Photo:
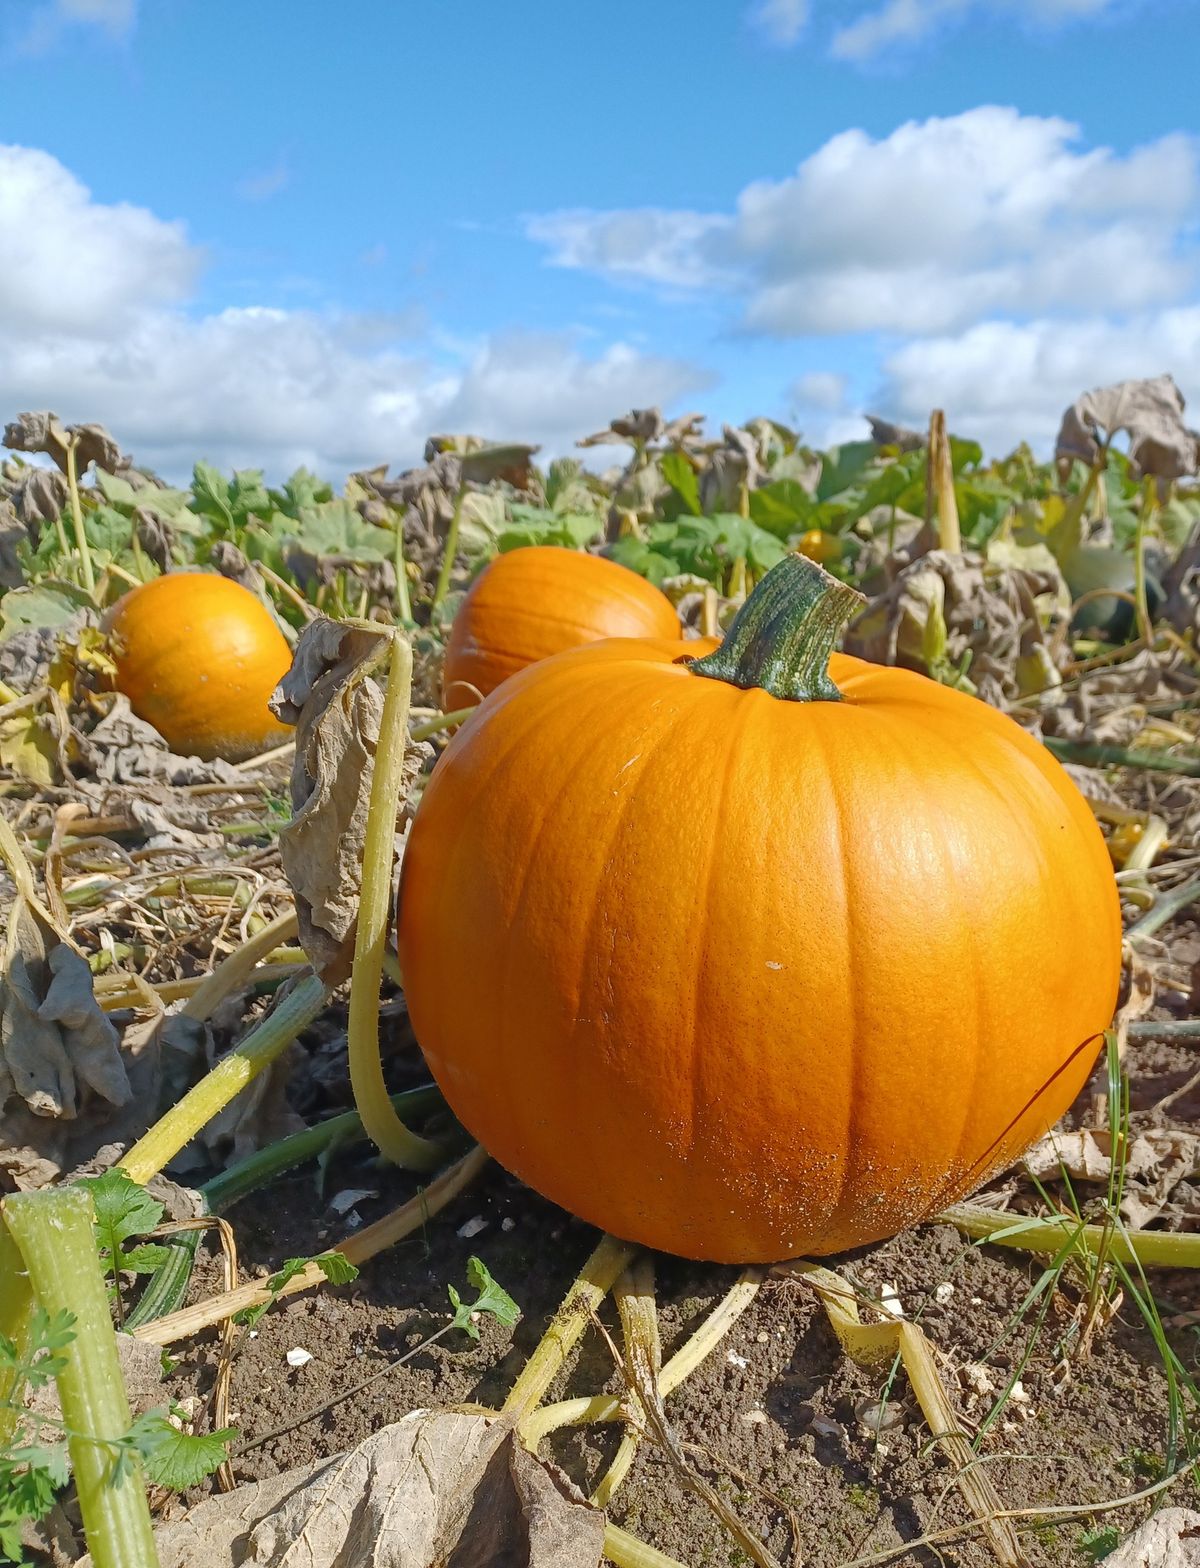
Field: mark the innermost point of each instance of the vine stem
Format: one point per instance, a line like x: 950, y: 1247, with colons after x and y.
x: 358, y: 1248
x: 451, y: 549
x: 54, y: 1231
x: 403, y: 601
x: 594, y: 1281
x: 85, y: 554
x: 941, y: 485
x: 384, y: 1127
x: 439, y: 722
x: 228, y: 1078
x: 1150, y: 1248
x: 16, y: 1304
x: 229, y: 974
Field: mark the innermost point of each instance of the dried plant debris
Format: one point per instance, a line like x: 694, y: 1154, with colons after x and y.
x: 336, y: 707
x: 965, y: 620
x: 1156, y: 1161
x: 437, y: 1487
x: 46, y: 433
x: 1150, y: 412
x: 55, y: 1043
x: 1168, y: 1539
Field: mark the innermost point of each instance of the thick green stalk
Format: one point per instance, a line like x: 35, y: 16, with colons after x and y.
x: 54, y: 1231
x: 451, y: 549
x: 403, y: 601
x: 1091, y: 754
x: 1151, y: 1248
x: 16, y: 1303
x: 384, y: 1127
x: 783, y: 635
x: 441, y: 721
x: 85, y: 554
x: 228, y: 1078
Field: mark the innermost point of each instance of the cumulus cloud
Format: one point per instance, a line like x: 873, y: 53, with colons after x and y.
x: 823, y: 390
x: 46, y: 24
x: 879, y: 27
x: 782, y: 22
x: 1010, y: 381
x: 95, y: 322
x: 921, y: 231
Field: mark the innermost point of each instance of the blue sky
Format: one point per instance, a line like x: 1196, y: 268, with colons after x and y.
x: 270, y: 233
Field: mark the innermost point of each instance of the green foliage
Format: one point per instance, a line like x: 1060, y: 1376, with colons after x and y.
x: 537, y: 525
x: 335, y: 1266
x: 491, y: 1299
x: 174, y: 1458
x: 123, y: 1210
x: 1097, y: 1543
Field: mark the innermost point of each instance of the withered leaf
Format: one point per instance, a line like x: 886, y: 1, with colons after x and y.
x: 45, y: 432
x: 439, y: 1487
x: 336, y: 709
x: 1150, y: 411
x: 54, y: 1039
x: 41, y: 496
x: 1156, y: 1161
x: 885, y: 433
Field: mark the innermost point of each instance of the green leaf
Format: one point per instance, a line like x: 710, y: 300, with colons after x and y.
x: 842, y: 465
x: 336, y: 528
x: 681, y: 477
x: 336, y: 1267
x: 174, y: 1458
x: 41, y: 605
x: 491, y: 1299
x: 782, y: 507
x: 146, y: 1259
x: 123, y: 1209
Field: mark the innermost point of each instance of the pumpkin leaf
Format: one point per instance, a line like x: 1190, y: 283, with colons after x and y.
x: 440, y: 1485
x: 42, y: 605
x: 682, y: 478
x: 336, y: 707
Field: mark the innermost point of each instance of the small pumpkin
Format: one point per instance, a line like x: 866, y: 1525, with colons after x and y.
x: 819, y: 546
x: 540, y: 600
x: 762, y: 954
x: 198, y: 656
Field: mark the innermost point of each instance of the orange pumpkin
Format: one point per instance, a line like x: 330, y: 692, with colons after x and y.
x: 198, y: 656
x: 540, y: 600
x: 766, y: 954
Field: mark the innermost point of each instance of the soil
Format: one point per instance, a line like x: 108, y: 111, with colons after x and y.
x: 827, y: 1463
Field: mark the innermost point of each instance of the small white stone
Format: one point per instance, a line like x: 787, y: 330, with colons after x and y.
x: 889, y: 1300
x: 298, y: 1356
x: 735, y: 1360
x: 508, y: 1223
x: 762, y: 1338
x: 472, y: 1227
x: 943, y: 1293
x: 755, y: 1417
x: 341, y: 1202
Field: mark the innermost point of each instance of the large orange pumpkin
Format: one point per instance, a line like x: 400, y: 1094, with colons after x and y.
x: 198, y: 656
x: 540, y: 600
x: 767, y: 954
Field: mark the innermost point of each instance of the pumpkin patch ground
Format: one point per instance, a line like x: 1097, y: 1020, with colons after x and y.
x: 824, y: 939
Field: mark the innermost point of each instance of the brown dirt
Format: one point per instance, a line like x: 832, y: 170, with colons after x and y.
x: 779, y: 1419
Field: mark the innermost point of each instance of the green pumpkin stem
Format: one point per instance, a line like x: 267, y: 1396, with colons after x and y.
x: 783, y: 635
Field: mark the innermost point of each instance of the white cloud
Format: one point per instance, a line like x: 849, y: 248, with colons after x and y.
x: 1004, y: 382
x: 95, y: 325
x: 781, y: 21
x: 46, y: 24
x: 646, y: 244
x: 928, y: 229
x: 897, y: 22
x: 70, y: 263
x: 878, y: 27
x: 820, y: 389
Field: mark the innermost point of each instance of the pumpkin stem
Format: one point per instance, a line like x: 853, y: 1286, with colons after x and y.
x: 784, y: 633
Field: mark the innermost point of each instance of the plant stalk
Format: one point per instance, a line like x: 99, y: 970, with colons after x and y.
x: 403, y: 600
x: 85, y: 554
x: 16, y: 1305
x: 1150, y: 1248
x: 450, y: 550
x: 440, y: 721
x: 941, y: 485
x: 54, y: 1231
x: 384, y: 1127
x: 228, y: 1078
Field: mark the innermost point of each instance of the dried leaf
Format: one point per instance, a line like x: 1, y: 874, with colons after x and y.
x: 336, y: 709
x: 54, y: 1039
x: 231, y: 563
x: 1156, y: 1161
x: 885, y: 433
x: 45, y: 432
x: 123, y: 749
x: 437, y: 1487
x: 1150, y: 411
x: 1168, y: 1539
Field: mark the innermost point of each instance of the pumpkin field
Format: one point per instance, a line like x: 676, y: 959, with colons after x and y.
x: 641, y: 1007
